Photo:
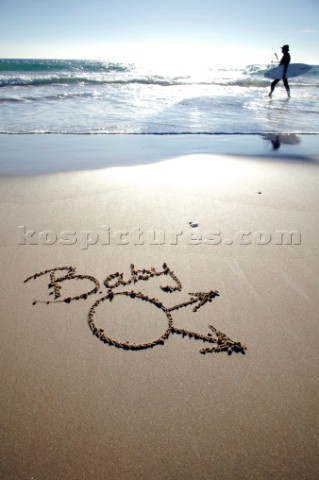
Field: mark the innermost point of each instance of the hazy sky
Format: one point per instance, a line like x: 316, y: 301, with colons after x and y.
x: 236, y: 30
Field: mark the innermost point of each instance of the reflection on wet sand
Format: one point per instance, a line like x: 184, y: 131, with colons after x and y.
x: 277, y: 139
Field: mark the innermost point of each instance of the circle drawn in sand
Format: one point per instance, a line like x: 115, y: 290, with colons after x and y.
x: 102, y: 335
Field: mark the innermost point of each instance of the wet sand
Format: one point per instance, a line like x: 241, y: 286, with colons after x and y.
x: 160, y: 320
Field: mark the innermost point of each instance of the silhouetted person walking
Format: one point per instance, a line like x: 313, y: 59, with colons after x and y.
x: 285, y: 62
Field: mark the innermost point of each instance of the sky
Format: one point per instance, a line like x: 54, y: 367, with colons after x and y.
x: 225, y: 31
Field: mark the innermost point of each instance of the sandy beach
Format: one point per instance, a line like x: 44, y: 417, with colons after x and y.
x: 159, y: 308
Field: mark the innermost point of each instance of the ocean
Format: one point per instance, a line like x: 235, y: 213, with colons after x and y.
x: 100, y: 97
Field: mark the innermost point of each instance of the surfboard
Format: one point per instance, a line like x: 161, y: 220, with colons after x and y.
x: 294, y: 69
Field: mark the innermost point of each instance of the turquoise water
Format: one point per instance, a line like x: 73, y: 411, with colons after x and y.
x: 86, y: 97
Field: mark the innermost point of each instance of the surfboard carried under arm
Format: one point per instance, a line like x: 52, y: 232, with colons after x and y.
x: 294, y: 70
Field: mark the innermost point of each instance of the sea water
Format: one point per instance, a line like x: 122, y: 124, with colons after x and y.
x: 101, y: 97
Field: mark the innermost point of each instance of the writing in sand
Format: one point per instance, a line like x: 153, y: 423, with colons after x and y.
x: 117, y: 286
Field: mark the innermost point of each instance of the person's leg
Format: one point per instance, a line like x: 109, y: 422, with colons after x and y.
x: 286, y: 86
x: 272, y: 86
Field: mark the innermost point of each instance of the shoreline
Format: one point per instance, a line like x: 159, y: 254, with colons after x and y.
x: 32, y: 154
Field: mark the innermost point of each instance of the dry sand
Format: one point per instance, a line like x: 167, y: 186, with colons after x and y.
x: 74, y: 407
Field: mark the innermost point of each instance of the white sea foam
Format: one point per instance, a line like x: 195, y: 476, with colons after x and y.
x: 99, y: 97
